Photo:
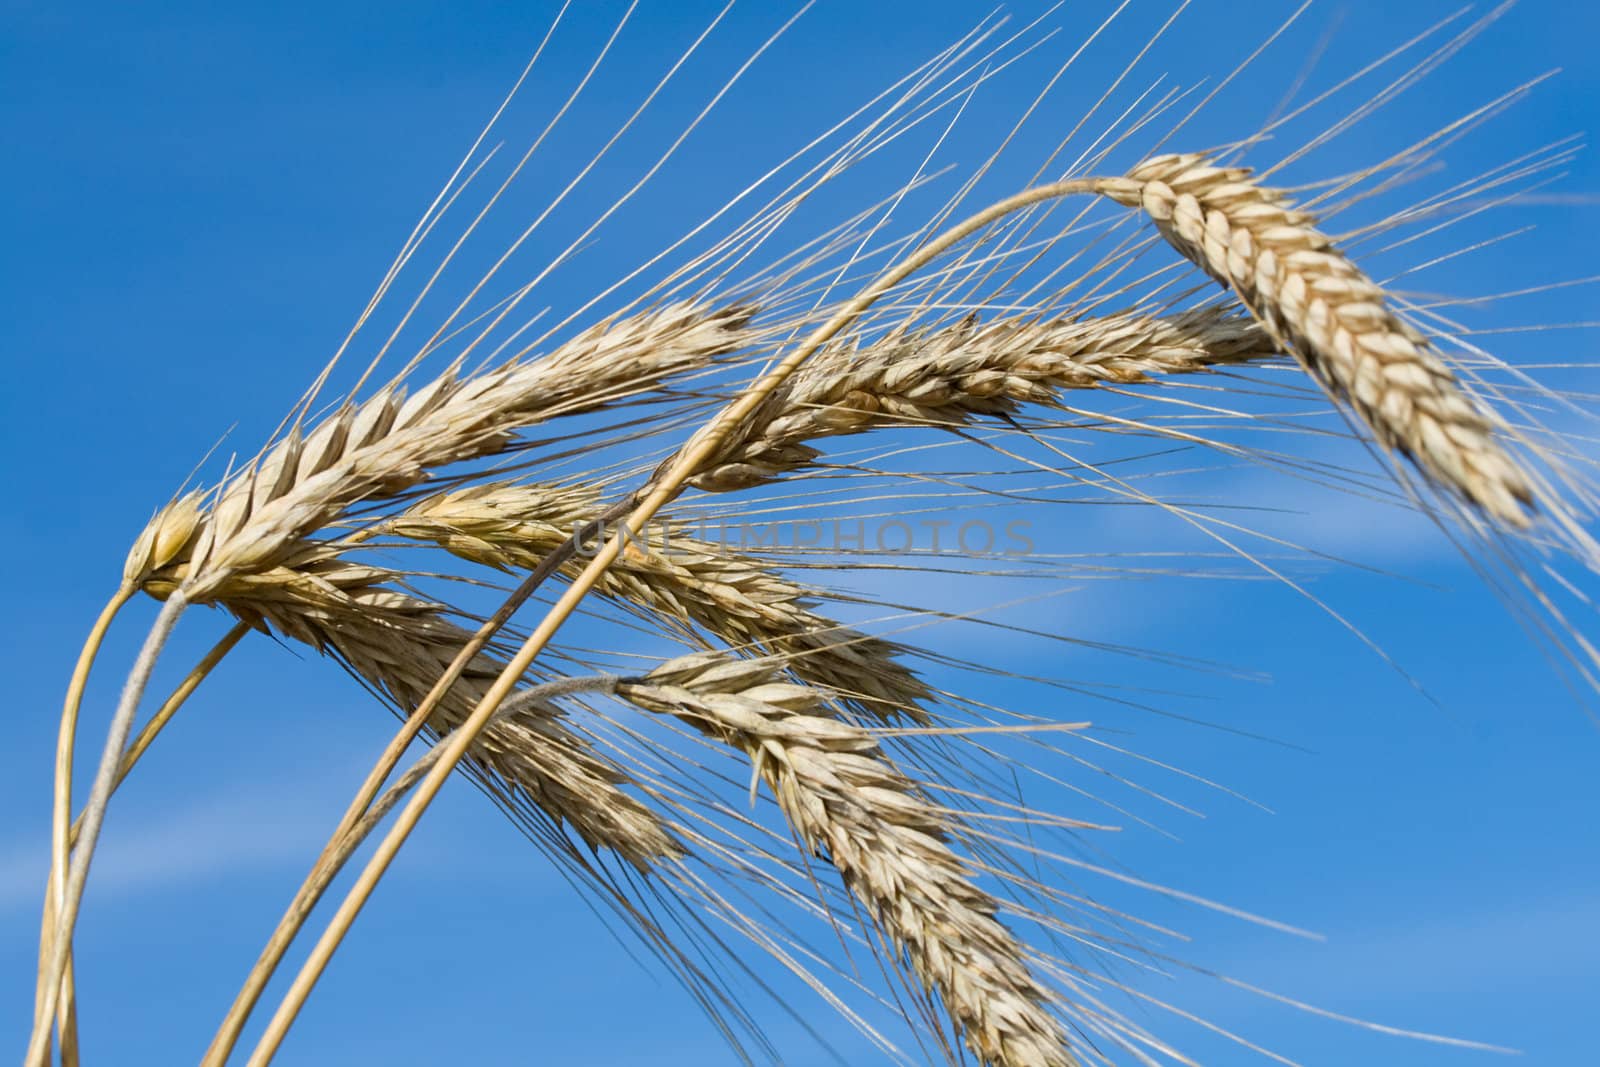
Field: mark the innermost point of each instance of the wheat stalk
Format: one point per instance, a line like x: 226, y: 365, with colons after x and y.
x: 731, y: 595
x: 665, y: 486
x: 254, y: 547
x: 1336, y: 321
x: 846, y: 801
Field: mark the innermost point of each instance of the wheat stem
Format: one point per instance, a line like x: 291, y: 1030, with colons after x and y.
x: 61, y: 817
x: 94, y: 816
x: 67, y: 1010
x: 68, y: 1014
x: 662, y: 489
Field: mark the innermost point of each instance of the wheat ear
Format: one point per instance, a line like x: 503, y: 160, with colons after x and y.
x: 1335, y: 320
x: 388, y: 443
x: 846, y: 801
x: 951, y: 376
x: 399, y: 645
x: 726, y: 593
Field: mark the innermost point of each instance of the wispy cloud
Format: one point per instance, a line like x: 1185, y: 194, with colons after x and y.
x: 222, y: 834
x: 1494, y: 946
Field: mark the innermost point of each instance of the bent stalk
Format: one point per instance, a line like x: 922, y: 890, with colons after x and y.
x: 94, y: 817
x: 61, y: 817
x: 660, y: 491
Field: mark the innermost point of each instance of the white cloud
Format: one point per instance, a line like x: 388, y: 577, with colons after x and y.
x: 221, y: 834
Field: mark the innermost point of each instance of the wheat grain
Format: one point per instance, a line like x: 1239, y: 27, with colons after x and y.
x: 730, y: 595
x: 1334, y: 319
x: 951, y: 376
x: 846, y: 801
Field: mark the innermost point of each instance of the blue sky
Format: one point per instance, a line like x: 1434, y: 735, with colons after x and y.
x: 201, y: 198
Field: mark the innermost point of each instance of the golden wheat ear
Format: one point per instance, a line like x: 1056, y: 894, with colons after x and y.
x: 1335, y: 320
x: 681, y: 584
x: 846, y: 802
x: 386, y: 445
x: 953, y: 376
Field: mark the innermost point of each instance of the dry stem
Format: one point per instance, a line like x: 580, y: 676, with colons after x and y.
x: 61, y: 818
x: 93, y: 817
x: 661, y: 490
